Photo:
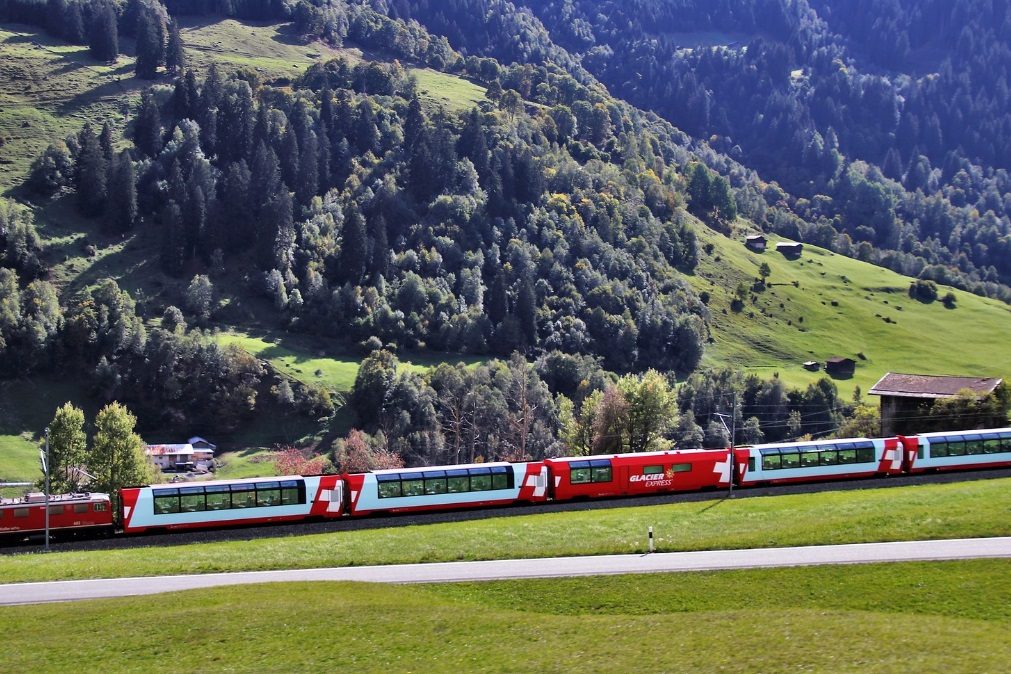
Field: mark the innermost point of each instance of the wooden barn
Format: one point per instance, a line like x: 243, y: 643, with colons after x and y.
x: 839, y: 366
x: 790, y: 249
x: 907, y: 398
x: 756, y: 242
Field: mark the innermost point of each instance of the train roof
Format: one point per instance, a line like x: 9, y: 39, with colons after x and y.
x: 981, y: 431
x: 38, y: 498
x: 636, y: 455
x: 814, y: 443
x: 461, y: 466
x: 214, y: 483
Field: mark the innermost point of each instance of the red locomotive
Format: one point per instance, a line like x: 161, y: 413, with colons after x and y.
x: 67, y: 513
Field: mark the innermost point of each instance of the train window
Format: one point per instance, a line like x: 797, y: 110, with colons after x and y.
x: 55, y: 510
x: 751, y: 464
x: 21, y: 512
x: 1005, y: 442
x: 191, y: 499
x: 80, y: 507
x: 414, y: 486
x: 772, y: 462
x: 243, y: 496
x: 938, y: 448
x: 218, y: 497
x: 681, y: 468
x: 865, y: 453
x: 435, y: 482
x: 101, y: 507
x: 828, y: 458
x: 652, y: 470
x: 973, y: 444
x: 268, y: 494
x: 808, y: 459
x: 389, y: 486
x: 992, y: 444
x: 847, y: 455
x: 457, y: 481
x: 579, y: 472
x: 790, y: 460
x: 166, y: 501
x: 956, y: 448
x: 480, y: 479
x: 501, y: 477
x: 292, y: 492
x: 600, y: 471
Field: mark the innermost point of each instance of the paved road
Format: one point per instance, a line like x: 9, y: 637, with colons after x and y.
x: 31, y: 593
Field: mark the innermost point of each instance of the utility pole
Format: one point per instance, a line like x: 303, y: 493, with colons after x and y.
x: 45, y: 469
x: 732, y: 429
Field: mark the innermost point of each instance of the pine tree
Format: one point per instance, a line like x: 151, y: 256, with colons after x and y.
x: 231, y: 231
x: 150, y: 48
x: 526, y: 310
x: 307, y: 184
x: 92, y: 174
x: 172, y: 237
x: 117, y: 454
x: 147, y: 127
x: 105, y: 140
x: 103, y: 37
x: 122, y: 208
x: 289, y: 157
x: 56, y: 17
x: 276, y: 222
x: 74, y: 30
x: 68, y: 449
x: 175, y: 56
x: 498, y: 303
x: 354, y: 246
x: 380, y: 259
x: 323, y: 150
x: 265, y: 179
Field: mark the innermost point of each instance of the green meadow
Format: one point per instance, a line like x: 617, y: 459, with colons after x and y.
x: 875, y: 618
x: 943, y: 511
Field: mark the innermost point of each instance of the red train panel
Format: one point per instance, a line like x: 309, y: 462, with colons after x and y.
x: 67, y: 512
x: 638, y: 474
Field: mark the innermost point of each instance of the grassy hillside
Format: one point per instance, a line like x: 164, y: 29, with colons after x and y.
x: 823, y: 305
x: 769, y: 620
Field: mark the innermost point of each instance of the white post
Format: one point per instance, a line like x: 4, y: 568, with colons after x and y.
x: 651, y: 539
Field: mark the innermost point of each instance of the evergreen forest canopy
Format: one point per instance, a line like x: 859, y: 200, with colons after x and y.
x: 551, y: 222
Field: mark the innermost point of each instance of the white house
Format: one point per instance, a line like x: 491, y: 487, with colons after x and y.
x: 180, y: 456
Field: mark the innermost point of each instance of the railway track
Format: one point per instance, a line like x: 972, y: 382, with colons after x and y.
x: 417, y: 519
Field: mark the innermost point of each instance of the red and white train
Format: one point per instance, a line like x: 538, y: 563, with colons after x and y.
x: 255, y: 501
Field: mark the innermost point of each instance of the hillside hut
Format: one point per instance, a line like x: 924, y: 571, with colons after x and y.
x: 790, y: 249
x: 839, y: 366
x: 756, y: 242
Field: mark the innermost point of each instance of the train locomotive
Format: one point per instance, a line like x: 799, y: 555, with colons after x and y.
x: 295, y: 498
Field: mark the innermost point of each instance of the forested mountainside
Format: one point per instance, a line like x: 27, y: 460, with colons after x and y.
x: 884, y: 122
x: 546, y: 220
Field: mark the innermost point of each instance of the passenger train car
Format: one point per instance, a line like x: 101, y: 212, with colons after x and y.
x: 257, y: 501
x: 823, y: 460
x: 221, y: 503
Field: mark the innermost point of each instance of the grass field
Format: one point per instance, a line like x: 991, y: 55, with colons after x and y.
x: 876, y: 618
x: 320, y: 360
x: 825, y: 305
x: 965, y: 510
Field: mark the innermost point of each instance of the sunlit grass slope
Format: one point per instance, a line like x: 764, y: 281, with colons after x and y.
x: 824, y: 304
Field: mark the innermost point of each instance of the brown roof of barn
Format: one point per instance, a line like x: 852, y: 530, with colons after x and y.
x: 931, y: 386
x: 839, y: 360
